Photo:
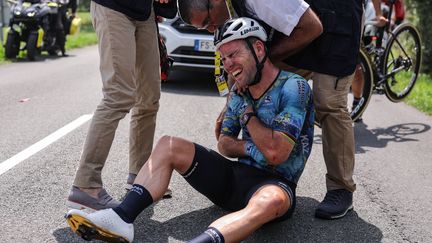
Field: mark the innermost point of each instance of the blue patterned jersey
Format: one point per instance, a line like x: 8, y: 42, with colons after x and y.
x: 286, y: 107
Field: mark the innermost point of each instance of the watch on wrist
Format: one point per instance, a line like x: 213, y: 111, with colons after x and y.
x: 246, y: 117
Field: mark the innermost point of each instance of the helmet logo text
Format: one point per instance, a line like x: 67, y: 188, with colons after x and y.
x: 244, y: 32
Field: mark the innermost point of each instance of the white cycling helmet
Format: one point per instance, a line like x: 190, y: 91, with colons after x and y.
x: 239, y: 28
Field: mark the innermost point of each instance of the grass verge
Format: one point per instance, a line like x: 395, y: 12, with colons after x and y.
x: 421, y: 96
x: 2, y: 59
x: 85, y: 37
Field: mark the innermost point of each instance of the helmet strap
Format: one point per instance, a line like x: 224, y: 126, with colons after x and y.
x: 259, y: 65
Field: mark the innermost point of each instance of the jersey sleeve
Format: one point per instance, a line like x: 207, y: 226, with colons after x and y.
x: 231, y: 122
x: 252, y: 151
x: 282, y: 15
x: 294, y: 103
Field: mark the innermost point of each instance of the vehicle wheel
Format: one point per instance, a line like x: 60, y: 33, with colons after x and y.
x: 367, y: 87
x: 12, y: 44
x: 32, y: 49
x: 401, y: 63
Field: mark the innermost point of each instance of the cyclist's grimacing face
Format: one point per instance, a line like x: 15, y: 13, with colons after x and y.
x: 238, y: 62
x: 215, y: 16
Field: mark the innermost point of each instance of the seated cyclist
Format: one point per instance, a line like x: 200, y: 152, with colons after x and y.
x: 274, y: 114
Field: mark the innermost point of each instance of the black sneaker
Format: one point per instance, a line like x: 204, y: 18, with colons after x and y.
x: 335, y: 205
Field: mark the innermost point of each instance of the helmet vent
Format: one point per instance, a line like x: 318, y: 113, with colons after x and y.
x: 240, y: 28
x: 237, y: 27
x: 228, y: 35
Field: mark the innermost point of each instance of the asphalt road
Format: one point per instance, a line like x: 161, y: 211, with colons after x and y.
x: 393, y: 169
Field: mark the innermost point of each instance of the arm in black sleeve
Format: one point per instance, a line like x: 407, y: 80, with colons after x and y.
x: 73, y: 5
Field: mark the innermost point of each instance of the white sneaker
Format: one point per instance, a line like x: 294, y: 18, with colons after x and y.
x: 103, y: 225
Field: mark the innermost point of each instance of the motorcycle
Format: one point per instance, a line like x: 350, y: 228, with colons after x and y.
x: 32, y: 22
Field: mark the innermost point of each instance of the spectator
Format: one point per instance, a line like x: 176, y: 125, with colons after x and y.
x: 129, y: 66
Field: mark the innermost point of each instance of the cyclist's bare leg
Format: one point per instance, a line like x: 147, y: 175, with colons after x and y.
x: 268, y: 203
x: 358, y: 83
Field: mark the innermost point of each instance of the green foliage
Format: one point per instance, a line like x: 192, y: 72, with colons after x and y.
x: 2, y: 60
x: 421, y: 10
x: 84, y: 5
x: 86, y: 36
x: 86, y: 22
x: 420, y: 96
x: 80, y: 40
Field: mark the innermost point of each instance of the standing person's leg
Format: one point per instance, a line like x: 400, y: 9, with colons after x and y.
x: 116, y: 34
x: 330, y: 98
x: 60, y: 29
x: 357, y: 88
x: 147, y: 79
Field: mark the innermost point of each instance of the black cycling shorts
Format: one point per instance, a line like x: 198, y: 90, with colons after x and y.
x: 231, y: 184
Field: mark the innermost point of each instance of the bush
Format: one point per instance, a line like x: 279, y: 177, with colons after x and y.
x: 86, y: 36
x: 1, y: 54
x: 86, y: 22
x: 84, y: 5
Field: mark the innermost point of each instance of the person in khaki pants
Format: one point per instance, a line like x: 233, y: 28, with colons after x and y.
x: 129, y: 66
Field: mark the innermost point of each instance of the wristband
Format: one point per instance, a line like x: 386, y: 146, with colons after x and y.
x: 246, y: 117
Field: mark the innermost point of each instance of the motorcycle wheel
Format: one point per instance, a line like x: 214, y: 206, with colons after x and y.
x: 12, y: 44
x: 32, y: 49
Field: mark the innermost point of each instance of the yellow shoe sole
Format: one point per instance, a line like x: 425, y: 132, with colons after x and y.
x: 88, y: 231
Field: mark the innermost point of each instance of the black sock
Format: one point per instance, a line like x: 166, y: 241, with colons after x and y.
x: 356, y: 101
x: 137, y: 199
x: 211, y: 235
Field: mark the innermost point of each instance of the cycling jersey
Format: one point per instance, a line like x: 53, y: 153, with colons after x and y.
x: 285, y: 107
x: 399, y: 9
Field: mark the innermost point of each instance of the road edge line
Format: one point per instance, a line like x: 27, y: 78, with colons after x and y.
x: 45, y: 142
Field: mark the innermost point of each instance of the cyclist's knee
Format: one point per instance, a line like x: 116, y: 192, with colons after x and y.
x: 270, y: 203
x: 174, y: 149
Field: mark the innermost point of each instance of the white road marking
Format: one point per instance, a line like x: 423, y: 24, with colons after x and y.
x: 33, y: 149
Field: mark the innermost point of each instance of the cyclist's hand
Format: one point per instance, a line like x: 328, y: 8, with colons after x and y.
x: 241, y: 89
x: 162, y: 1
x: 238, y: 88
x: 380, y: 21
